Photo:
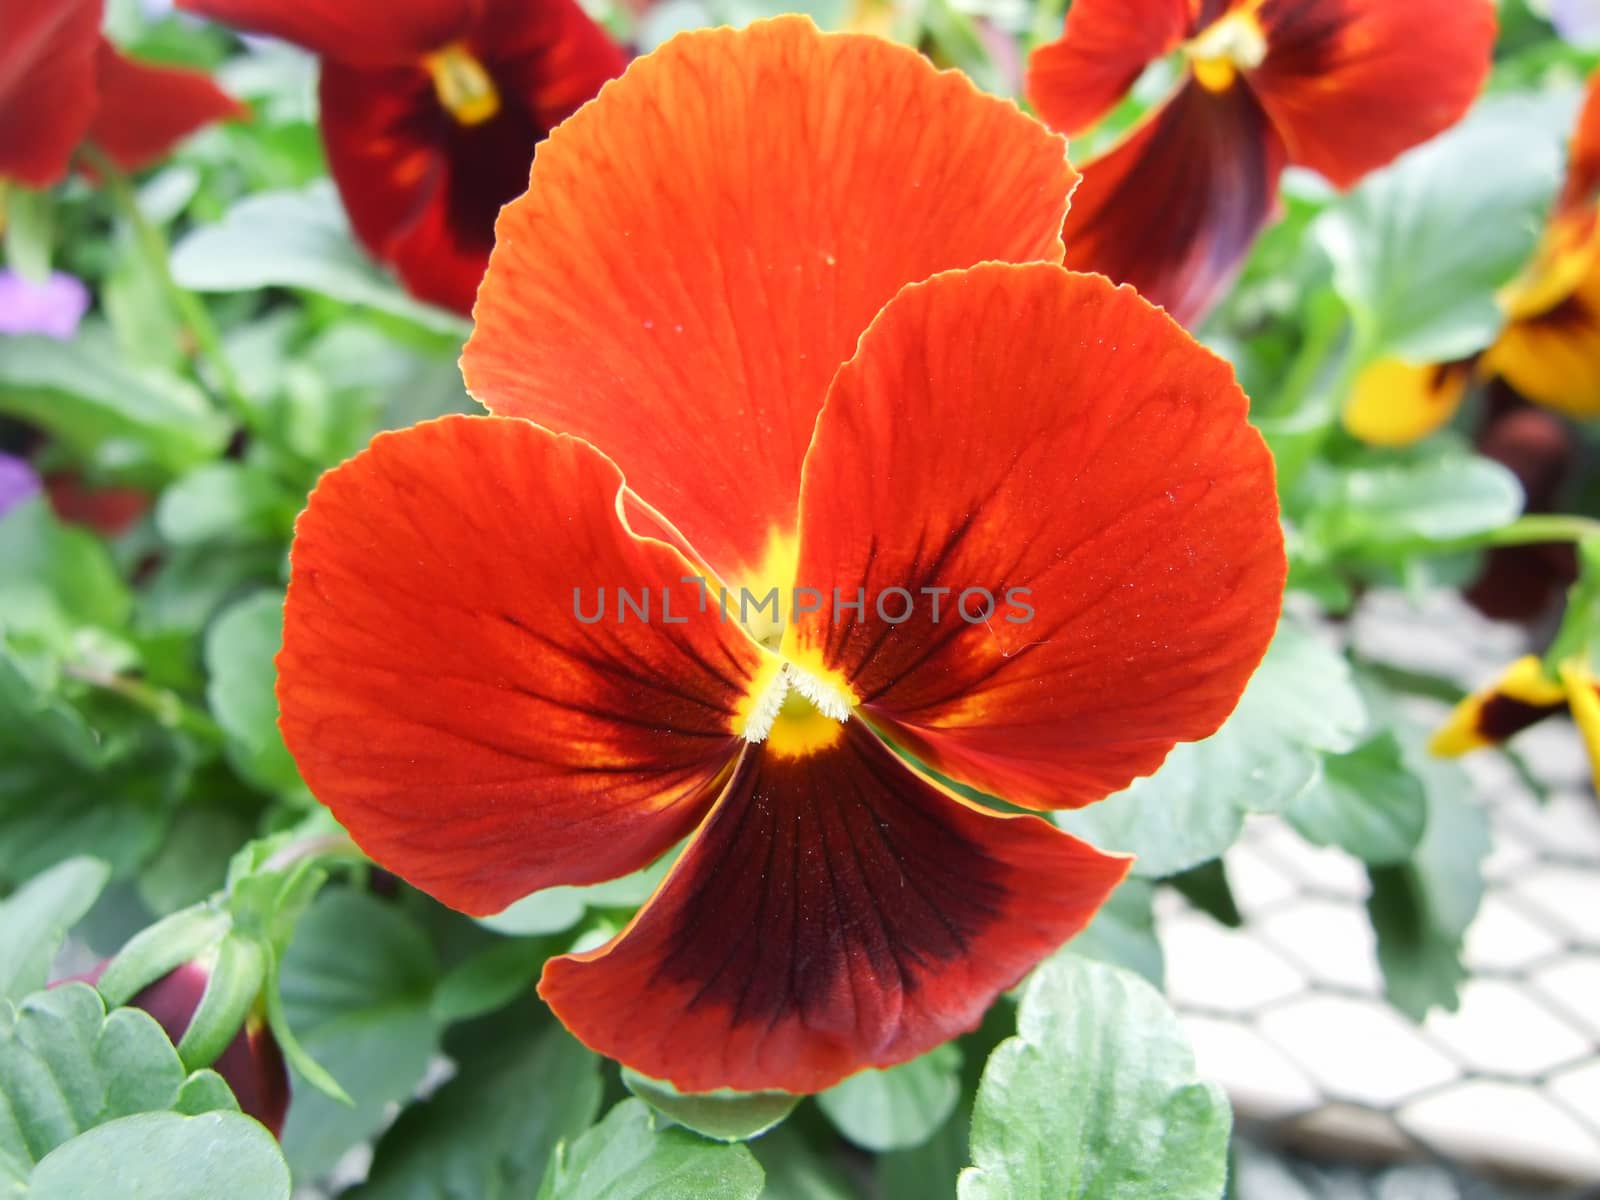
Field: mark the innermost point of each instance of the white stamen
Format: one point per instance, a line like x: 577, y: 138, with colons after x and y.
x: 791, y: 678
x: 829, y: 703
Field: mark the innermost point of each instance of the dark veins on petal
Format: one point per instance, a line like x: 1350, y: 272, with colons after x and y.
x: 824, y: 863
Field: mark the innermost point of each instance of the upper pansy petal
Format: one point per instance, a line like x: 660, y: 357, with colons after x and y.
x: 1076, y: 79
x: 445, y: 693
x: 1026, y: 427
x: 837, y: 912
x: 368, y: 32
x: 1351, y: 84
x: 47, y: 85
x: 1173, y: 208
x: 147, y: 109
x: 701, y: 247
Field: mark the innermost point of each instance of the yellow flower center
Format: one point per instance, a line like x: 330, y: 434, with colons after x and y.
x: 1226, y: 47
x: 793, y: 712
x: 463, y: 85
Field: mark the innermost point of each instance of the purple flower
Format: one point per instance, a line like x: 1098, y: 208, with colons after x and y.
x: 1578, y: 21
x: 17, y: 482
x: 52, y: 308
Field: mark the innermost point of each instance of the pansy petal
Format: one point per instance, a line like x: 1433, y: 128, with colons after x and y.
x: 1026, y: 427
x: 369, y: 32
x: 1582, y: 186
x: 701, y: 247
x: 47, y: 87
x: 145, y: 110
x: 837, y: 912
x: 1105, y: 47
x: 1522, y: 697
x: 1395, y: 403
x: 1553, y: 357
x: 422, y: 189
x: 1352, y: 84
x: 444, y: 693
x: 1173, y: 208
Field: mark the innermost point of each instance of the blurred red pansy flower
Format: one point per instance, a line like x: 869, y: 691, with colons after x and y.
x: 431, y: 110
x: 62, y: 84
x: 1340, y: 86
x: 699, y: 252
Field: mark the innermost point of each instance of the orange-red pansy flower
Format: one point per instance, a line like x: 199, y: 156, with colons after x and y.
x: 1340, y: 86
x: 431, y: 110
x: 63, y: 84
x: 799, y: 292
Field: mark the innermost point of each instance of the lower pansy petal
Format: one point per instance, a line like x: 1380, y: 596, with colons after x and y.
x: 1522, y: 697
x: 1395, y: 403
x: 1351, y: 84
x: 463, y: 685
x: 837, y: 912
x: 1061, y: 530
x: 145, y: 109
x: 1174, y: 207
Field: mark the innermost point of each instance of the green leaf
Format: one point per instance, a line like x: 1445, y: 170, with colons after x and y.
x: 85, y: 395
x: 28, y: 220
x: 1421, y: 909
x: 1421, y: 247
x: 1095, y: 1097
x: 797, y: 1170
x: 1302, y: 702
x: 1367, y: 803
x: 626, y: 1157
x: 67, y: 1066
x: 557, y: 909
x: 296, y: 240
x: 723, y: 1116
x: 67, y: 788
x: 35, y: 920
x: 57, y: 578
x: 357, y: 986
x: 1207, y: 888
x: 487, y: 981
x: 166, y: 1156
x: 240, y: 648
x: 1123, y: 932
x: 226, y: 502
x: 522, y: 1086
x: 1388, y: 509
x: 897, y: 1108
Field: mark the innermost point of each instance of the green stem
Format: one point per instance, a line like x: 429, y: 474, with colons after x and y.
x: 1538, y: 528
x: 152, y: 246
x: 167, y: 708
x: 321, y: 846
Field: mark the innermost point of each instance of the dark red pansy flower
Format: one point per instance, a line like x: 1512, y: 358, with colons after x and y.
x: 1340, y: 86
x: 252, y: 1065
x: 63, y: 84
x: 431, y: 110
x: 783, y: 310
